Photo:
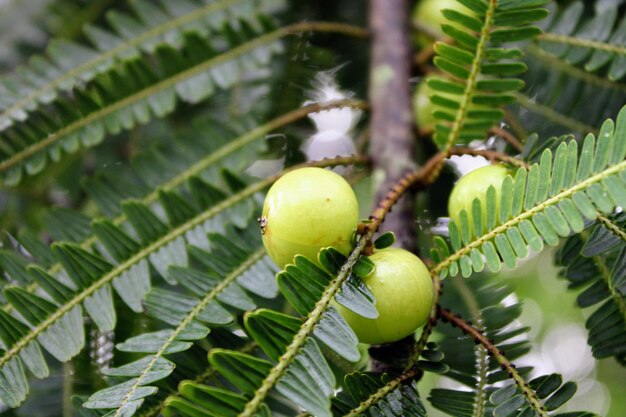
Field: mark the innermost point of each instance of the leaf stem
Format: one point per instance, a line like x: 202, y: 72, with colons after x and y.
x: 383, y: 391
x: 585, y: 43
x: 498, y: 355
x: 612, y: 227
x: 481, y: 352
x: 605, y: 275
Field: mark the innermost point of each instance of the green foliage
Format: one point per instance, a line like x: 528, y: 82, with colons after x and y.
x: 595, y: 261
x: 161, y: 217
x: 480, y: 67
x: 548, y: 201
x: 149, y: 27
x: 227, y: 269
x: 126, y: 268
x: 597, y: 43
x: 401, y: 400
x: 295, y: 366
x: 134, y: 92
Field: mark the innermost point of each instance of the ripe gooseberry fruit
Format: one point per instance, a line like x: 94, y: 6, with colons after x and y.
x: 306, y: 210
x: 475, y: 185
x: 429, y: 13
x: 404, y: 295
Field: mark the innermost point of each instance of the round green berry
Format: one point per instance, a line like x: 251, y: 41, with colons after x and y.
x: 306, y: 210
x: 475, y: 185
x: 404, y: 294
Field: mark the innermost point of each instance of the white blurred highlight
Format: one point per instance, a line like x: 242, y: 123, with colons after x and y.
x: 333, y: 137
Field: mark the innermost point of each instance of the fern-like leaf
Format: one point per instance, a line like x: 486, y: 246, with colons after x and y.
x: 87, y: 277
x: 480, y: 72
x: 569, y: 99
x: 370, y: 395
x: 595, y: 262
x: 191, y: 316
x: 593, y: 44
x: 133, y: 93
x: 154, y: 25
x: 480, y: 300
x: 550, y: 200
x: 295, y: 366
x: 476, y: 357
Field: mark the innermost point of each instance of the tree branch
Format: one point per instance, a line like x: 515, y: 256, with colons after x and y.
x: 391, y: 143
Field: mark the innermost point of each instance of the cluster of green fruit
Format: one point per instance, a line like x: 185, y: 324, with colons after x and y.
x: 312, y: 208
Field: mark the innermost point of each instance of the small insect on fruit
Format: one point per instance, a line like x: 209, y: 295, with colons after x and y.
x: 404, y: 296
x: 306, y: 210
x: 475, y: 185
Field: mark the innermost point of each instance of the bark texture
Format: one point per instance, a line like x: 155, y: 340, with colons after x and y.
x: 392, y: 147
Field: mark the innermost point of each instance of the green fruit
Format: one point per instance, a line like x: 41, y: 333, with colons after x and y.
x: 429, y: 14
x: 404, y: 295
x: 422, y: 107
x: 306, y: 210
x: 475, y: 185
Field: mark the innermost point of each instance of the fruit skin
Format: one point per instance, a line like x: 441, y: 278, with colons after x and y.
x: 422, y: 107
x: 474, y: 185
x: 404, y: 295
x: 306, y: 210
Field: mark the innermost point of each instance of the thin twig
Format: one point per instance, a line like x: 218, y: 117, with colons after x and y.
x: 490, y: 155
x: 507, y: 136
x: 514, y: 123
x: 418, y: 179
x: 506, y: 365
